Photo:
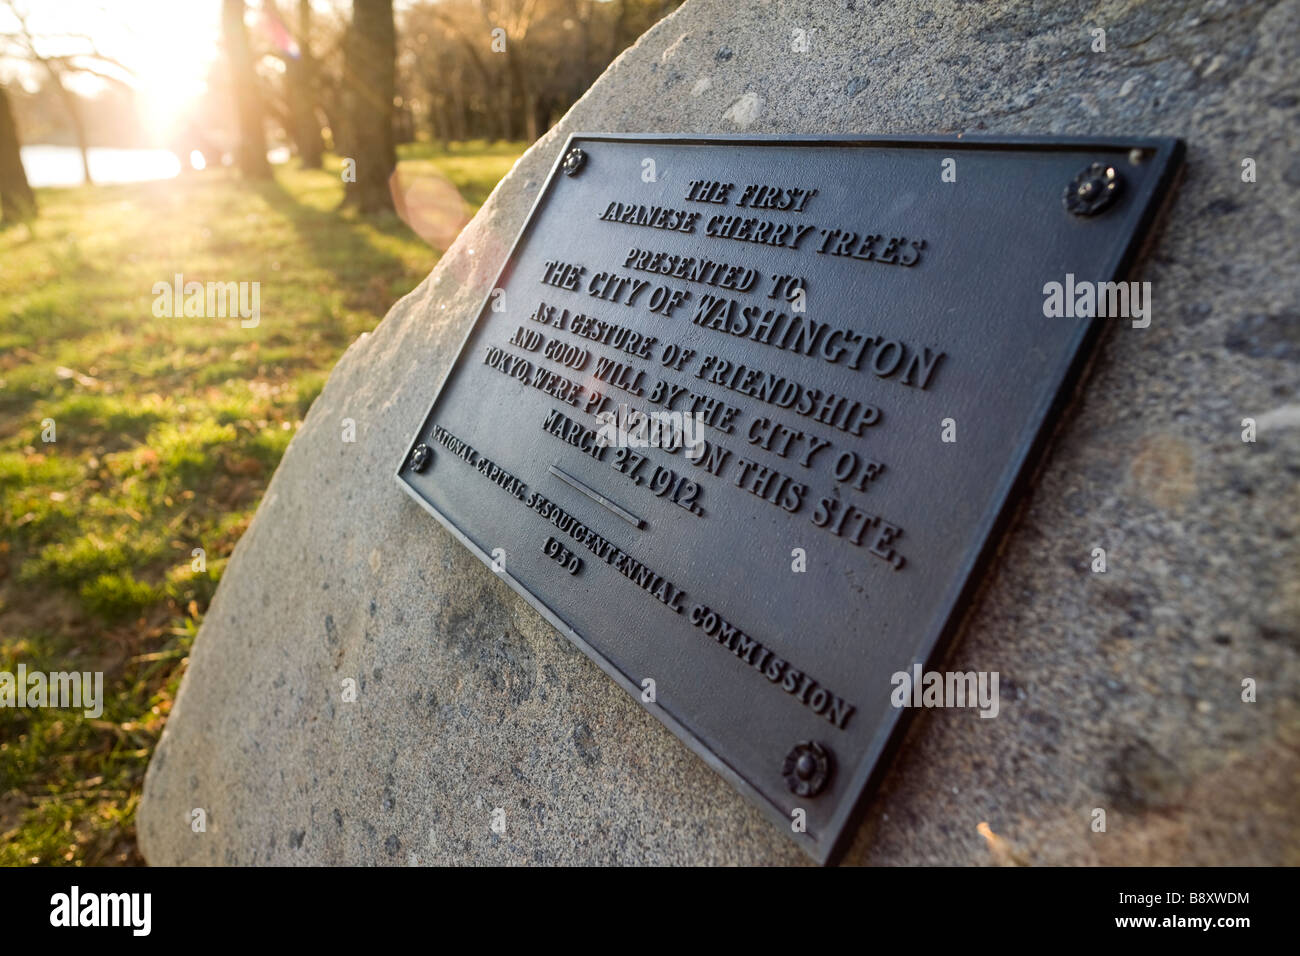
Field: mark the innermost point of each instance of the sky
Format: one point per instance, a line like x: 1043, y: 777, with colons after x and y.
x: 167, y: 44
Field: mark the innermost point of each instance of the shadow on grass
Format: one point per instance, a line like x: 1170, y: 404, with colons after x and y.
x: 338, y: 242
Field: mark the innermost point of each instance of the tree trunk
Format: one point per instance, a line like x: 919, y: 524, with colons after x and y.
x: 541, y: 116
x: 616, y: 34
x: 370, y: 74
x: 251, y: 152
x: 522, y: 98
x: 74, y: 114
x: 301, y: 77
x: 17, y: 201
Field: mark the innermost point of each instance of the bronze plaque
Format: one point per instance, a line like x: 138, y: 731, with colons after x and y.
x: 744, y: 417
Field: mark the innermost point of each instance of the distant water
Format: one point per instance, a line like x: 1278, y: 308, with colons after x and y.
x: 61, y: 165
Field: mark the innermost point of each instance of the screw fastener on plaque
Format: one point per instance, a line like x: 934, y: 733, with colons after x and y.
x: 420, y: 457
x: 574, y: 161
x: 1093, y: 190
x: 806, y: 769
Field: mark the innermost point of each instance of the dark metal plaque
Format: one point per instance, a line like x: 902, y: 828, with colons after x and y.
x: 861, y: 334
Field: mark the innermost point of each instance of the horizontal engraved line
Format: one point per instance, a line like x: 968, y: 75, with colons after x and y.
x: 596, y: 496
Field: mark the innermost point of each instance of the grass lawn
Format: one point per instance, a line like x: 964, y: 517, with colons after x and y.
x: 166, y: 432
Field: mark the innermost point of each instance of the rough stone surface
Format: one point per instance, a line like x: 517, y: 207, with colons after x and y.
x: 1121, y: 691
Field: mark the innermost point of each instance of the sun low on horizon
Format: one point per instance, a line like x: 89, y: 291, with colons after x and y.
x: 161, y: 49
